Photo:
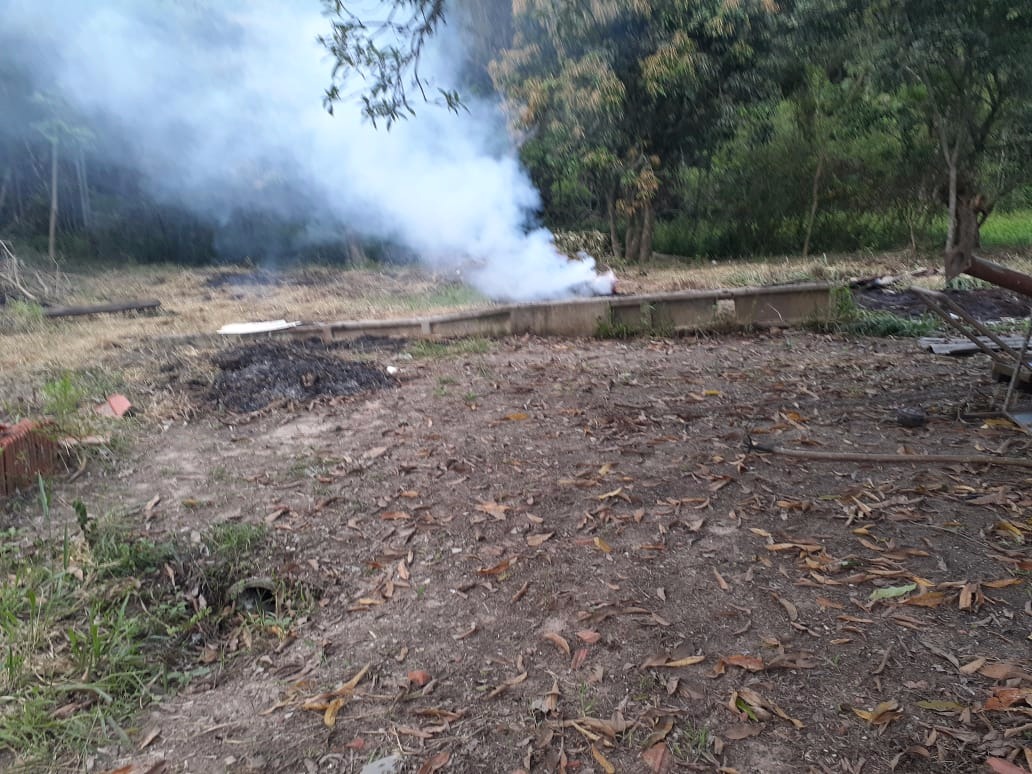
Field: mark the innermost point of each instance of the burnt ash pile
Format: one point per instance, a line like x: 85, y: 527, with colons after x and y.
x: 985, y: 304
x: 253, y: 376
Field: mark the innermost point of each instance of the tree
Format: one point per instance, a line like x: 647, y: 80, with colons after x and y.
x: 386, y: 54
x: 971, y: 64
x: 625, y: 94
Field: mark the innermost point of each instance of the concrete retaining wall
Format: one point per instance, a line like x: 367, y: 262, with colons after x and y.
x: 688, y: 310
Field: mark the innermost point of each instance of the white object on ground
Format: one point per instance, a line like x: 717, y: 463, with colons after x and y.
x: 236, y: 329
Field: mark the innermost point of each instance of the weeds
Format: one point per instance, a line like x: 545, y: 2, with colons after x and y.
x: 848, y: 318
x: 96, y: 625
x: 433, y: 349
x: 21, y: 316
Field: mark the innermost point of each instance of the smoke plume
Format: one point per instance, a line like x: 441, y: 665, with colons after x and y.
x: 218, y: 104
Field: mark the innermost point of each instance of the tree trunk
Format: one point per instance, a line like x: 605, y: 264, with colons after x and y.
x: 648, y: 230
x: 84, y: 190
x: 3, y: 188
x: 53, y: 199
x: 614, y: 237
x: 633, y: 235
x: 814, y: 194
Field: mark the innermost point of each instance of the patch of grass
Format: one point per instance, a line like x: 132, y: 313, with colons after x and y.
x: 437, y: 349
x: 17, y: 316
x: 96, y: 625
x: 690, y: 743
x: 1008, y: 229
x: 607, y: 329
x: 441, y: 297
x: 848, y: 318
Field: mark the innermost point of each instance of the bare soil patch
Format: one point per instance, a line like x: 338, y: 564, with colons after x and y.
x: 559, y: 555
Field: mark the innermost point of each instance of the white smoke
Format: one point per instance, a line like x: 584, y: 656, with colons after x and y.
x: 219, y: 104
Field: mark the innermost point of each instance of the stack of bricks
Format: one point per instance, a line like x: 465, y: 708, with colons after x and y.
x: 25, y: 451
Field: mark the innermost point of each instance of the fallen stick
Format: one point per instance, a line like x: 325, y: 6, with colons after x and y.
x: 76, y: 311
x: 912, y: 459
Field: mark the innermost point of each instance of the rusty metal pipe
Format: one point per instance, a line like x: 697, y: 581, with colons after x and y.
x: 999, y: 275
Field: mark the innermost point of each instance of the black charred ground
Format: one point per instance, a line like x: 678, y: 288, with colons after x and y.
x: 255, y: 375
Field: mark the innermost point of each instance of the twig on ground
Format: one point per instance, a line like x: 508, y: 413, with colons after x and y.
x: 911, y: 459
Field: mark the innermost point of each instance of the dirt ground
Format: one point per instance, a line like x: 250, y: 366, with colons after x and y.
x: 560, y: 555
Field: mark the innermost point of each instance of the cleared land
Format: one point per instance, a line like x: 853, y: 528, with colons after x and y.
x: 528, y: 554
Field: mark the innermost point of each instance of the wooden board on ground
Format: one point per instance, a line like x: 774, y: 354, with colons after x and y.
x: 965, y: 346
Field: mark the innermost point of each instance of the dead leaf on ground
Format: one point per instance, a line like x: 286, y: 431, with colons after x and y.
x: 672, y: 661
x: 742, y: 731
x: 419, y: 677
x: 493, y: 509
x: 792, y: 610
x: 720, y: 580
x: 748, y: 663
x: 578, y: 659
x: 588, y: 636
x: 600, y: 759
x: 756, y: 707
x: 928, y: 599
x: 157, y: 766
x: 435, y: 763
x: 507, y: 685
x: 1004, y: 766
x: 658, y: 759
x: 559, y: 641
x: 498, y: 569
x: 1005, y: 698
x: 536, y: 540
x: 1004, y: 671
x: 881, y: 715
x: 550, y: 702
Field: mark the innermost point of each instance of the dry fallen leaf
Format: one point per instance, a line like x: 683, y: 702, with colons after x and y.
x: 578, y: 659
x: 748, y: 663
x: 559, y: 641
x: 435, y: 763
x: 742, y: 731
x: 536, y: 540
x: 882, y: 715
x: 498, y: 569
x: 658, y: 759
x: 588, y: 636
x: 720, y: 580
x: 419, y: 677
x: 493, y: 509
x: 1004, y: 766
x: 600, y: 759
x: 602, y: 545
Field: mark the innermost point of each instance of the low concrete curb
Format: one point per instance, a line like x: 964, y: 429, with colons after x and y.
x: 778, y: 306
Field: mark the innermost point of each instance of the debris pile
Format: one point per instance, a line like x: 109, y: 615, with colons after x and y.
x: 253, y: 376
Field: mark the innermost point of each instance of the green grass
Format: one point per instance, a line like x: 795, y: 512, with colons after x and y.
x: 434, y: 349
x: 95, y: 624
x: 445, y: 297
x: 1008, y: 229
x: 848, y: 318
x: 17, y: 316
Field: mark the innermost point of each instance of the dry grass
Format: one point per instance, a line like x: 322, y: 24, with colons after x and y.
x: 194, y: 306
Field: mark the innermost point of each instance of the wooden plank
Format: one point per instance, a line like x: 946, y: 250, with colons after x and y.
x: 123, y: 306
x: 965, y: 346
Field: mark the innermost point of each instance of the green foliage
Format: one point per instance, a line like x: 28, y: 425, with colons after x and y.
x: 96, y: 626
x: 850, y: 319
x: 1008, y: 229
